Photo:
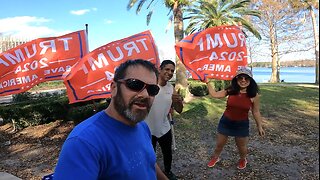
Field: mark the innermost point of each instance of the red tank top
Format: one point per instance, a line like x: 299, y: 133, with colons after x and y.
x: 238, y: 107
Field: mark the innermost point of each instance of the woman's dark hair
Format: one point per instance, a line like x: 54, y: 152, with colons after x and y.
x: 252, y: 89
x: 165, y: 62
x: 122, y: 69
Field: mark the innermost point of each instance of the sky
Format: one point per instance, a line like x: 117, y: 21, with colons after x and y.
x: 108, y: 20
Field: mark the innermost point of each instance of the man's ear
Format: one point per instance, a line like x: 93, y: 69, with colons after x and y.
x: 113, y: 89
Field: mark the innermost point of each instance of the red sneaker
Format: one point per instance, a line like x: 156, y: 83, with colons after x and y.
x: 213, y: 161
x: 242, y: 163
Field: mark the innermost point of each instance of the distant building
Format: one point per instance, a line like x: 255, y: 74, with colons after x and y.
x: 8, y: 42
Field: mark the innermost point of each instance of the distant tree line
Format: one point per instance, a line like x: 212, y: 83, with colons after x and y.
x: 298, y: 63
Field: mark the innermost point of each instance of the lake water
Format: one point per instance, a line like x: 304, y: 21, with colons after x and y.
x: 288, y: 74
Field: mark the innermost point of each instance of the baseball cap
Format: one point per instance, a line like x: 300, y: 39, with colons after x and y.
x: 244, y: 70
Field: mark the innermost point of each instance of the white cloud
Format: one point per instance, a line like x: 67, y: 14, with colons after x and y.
x: 27, y: 27
x: 82, y: 11
x: 108, y: 21
x: 79, y: 12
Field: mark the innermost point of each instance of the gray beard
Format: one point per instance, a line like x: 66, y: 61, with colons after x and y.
x: 126, y: 110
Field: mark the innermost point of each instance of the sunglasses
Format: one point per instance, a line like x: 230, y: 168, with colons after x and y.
x: 240, y: 77
x: 137, y: 85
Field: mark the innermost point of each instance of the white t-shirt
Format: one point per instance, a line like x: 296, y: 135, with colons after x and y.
x: 157, y: 119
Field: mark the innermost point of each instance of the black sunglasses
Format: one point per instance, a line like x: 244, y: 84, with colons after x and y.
x: 240, y: 77
x: 138, y: 86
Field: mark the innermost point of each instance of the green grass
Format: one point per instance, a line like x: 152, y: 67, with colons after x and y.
x: 289, y: 99
x: 276, y: 99
x: 48, y: 85
x: 275, y: 102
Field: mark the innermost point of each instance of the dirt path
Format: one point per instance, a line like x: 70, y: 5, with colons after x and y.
x: 32, y: 152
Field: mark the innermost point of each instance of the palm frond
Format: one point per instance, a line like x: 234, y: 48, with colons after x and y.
x: 149, y: 17
x: 205, y: 14
x: 240, y: 4
x: 249, y: 26
x: 150, y: 4
x: 131, y: 4
x: 141, y: 2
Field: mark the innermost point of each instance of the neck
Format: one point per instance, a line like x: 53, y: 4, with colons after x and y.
x: 162, y: 82
x: 244, y: 90
x: 112, y: 112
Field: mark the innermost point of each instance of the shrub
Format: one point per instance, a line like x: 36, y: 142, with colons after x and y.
x: 48, y: 107
x: 198, y: 88
x: 25, y: 96
x: 220, y: 84
x: 81, y: 112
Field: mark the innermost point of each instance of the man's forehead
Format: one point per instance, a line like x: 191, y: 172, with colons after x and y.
x: 141, y: 73
x: 135, y: 69
x: 169, y: 66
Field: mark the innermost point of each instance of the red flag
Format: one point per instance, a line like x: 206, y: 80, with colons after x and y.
x: 92, y: 76
x: 40, y: 60
x: 214, y: 53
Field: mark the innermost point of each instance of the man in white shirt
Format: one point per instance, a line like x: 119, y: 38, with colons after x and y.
x: 157, y: 118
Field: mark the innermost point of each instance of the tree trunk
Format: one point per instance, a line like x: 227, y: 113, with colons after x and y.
x: 274, y: 54
x: 316, y: 42
x: 181, y: 75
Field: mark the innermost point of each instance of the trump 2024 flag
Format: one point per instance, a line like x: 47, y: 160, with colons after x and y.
x: 91, y: 78
x: 216, y: 52
x: 40, y: 60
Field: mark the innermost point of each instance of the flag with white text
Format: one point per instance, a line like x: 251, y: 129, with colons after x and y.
x: 216, y: 52
x: 91, y: 78
x: 40, y: 60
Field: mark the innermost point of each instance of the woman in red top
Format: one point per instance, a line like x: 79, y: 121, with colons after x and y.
x: 242, y: 97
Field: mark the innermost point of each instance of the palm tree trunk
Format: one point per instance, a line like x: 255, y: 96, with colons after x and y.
x: 181, y: 76
x: 316, y: 42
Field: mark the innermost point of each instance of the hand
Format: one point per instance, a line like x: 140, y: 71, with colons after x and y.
x: 261, y: 131
x: 176, y: 98
x: 205, y: 80
x: 203, y: 77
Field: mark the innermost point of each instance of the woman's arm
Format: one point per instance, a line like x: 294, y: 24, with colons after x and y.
x: 257, y: 115
x: 214, y: 93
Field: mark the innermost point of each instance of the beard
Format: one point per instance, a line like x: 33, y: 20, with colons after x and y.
x: 127, y: 111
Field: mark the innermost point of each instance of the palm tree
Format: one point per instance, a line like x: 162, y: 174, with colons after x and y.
x: 175, y: 7
x: 310, y: 5
x: 208, y: 13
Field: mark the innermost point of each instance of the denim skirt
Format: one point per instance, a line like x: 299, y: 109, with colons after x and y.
x: 233, y: 128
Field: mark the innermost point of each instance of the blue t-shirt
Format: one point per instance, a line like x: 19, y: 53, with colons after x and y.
x: 104, y: 148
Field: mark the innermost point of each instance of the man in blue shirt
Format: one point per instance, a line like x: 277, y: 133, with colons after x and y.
x: 116, y: 143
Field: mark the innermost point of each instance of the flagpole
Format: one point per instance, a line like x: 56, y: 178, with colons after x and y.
x: 174, y: 146
x: 86, y: 28
x: 94, y: 106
